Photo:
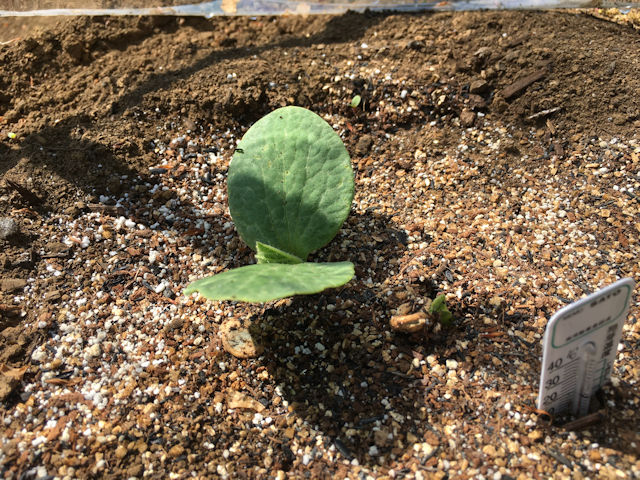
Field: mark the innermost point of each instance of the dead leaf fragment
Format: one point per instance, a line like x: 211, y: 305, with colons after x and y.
x: 13, y: 372
x: 238, y: 341
x: 237, y: 399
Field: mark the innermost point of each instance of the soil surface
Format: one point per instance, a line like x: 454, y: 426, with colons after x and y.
x: 497, y: 161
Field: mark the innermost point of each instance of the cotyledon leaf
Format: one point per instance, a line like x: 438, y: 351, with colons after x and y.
x: 264, y: 282
x: 269, y: 254
x: 290, y: 182
x: 439, y: 307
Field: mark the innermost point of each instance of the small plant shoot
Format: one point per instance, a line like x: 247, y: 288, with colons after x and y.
x: 290, y: 188
x: 355, y: 101
x: 439, y: 308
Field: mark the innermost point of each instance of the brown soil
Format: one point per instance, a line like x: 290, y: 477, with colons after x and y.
x: 507, y: 116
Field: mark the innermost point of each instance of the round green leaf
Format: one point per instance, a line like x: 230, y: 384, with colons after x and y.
x: 271, y: 281
x: 290, y: 182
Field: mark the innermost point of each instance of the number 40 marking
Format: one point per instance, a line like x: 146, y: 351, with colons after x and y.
x: 555, y: 365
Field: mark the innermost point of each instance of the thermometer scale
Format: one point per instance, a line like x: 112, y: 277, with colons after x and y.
x: 579, y: 348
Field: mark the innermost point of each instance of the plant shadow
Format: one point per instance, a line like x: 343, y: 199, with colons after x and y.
x: 337, y: 361
x: 606, y: 423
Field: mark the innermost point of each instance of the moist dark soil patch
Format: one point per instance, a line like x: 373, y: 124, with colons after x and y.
x: 497, y: 161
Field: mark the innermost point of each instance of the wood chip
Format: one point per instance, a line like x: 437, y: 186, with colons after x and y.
x: 106, y: 209
x: 409, y: 323
x: 544, y: 113
x: 585, y: 421
x: 522, y: 83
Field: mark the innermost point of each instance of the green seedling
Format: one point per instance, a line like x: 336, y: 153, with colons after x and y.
x: 290, y: 188
x: 439, y: 307
x: 355, y: 101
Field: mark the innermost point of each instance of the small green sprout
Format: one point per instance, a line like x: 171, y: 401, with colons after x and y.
x: 355, y: 101
x: 439, y: 307
x: 290, y: 188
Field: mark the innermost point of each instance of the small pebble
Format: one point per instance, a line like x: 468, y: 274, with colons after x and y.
x: 121, y: 451
x: 8, y: 227
x: 176, y: 451
x: 94, y: 350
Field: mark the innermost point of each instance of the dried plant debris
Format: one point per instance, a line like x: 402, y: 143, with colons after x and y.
x: 238, y: 341
x: 109, y: 371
